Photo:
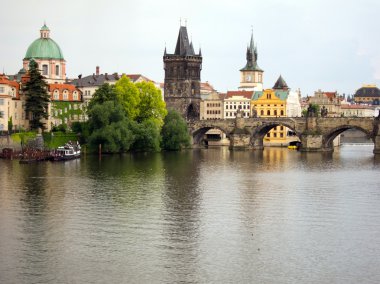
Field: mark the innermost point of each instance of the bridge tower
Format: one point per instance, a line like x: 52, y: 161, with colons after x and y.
x: 183, y: 77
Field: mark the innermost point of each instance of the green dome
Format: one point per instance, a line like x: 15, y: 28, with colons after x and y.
x: 44, y: 48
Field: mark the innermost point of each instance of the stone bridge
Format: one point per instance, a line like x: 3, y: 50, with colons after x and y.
x: 315, y: 133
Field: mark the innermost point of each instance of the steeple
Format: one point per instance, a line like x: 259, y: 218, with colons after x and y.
x: 251, y: 57
x: 184, y: 47
x: 280, y: 84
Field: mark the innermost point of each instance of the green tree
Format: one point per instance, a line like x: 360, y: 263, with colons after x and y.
x: 37, y: 97
x: 147, y: 136
x: 105, y: 93
x: 152, y: 107
x: 23, y: 137
x: 10, y: 125
x: 128, y: 95
x: 175, y: 135
x: 110, y: 127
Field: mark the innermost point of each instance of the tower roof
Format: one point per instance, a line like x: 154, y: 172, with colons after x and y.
x: 44, y: 47
x: 183, y: 47
x: 251, y: 57
x: 280, y: 84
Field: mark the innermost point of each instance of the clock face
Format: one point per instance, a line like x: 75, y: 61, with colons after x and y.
x: 248, y: 78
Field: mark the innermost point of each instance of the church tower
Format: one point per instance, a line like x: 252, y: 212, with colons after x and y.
x: 183, y: 77
x: 251, y: 76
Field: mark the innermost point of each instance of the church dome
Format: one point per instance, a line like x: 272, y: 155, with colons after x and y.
x: 44, y: 47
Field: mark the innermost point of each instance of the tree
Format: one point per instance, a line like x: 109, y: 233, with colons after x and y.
x: 37, y: 97
x: 128, y: 95
x: 147, y: 136
x: 105, y: 93
x: 110, y: 127
x: 23, y: 137
x: 152, y: 107
x: 10, y: 125
x: 174, y: 133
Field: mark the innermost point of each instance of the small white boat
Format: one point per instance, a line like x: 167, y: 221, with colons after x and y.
x: 68, y: 152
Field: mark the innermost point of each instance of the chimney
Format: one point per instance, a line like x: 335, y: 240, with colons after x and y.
x: 97, y: 70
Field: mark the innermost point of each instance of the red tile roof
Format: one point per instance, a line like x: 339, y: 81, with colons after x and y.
x: 245, y: 94
x: 330, y: 95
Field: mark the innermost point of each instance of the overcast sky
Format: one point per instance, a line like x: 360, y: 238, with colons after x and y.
x: 314, y: 44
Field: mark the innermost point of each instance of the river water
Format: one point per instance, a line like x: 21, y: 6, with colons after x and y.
x: 200, y: 216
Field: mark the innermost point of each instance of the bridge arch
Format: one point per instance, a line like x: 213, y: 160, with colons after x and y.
x: 199, y: 132
x: 333, y: 133
x: 257, y: 137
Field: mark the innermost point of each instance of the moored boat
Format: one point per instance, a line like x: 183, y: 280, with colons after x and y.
x: 294, y: 145
x: 68, y: 152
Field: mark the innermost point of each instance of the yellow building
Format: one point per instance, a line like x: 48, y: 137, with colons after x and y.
x: 272, y: 103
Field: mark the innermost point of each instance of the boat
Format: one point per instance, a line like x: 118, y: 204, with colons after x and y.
x: 67, y: 152
x: 294, y: 145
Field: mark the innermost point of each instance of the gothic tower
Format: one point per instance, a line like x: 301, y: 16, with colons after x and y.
x: 183, y: 77
x: 251, y: 76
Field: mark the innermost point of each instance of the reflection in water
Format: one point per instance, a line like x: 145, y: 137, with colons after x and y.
x: 208, y: 215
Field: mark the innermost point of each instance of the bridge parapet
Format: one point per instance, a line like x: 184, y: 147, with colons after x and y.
x: 316, y: 134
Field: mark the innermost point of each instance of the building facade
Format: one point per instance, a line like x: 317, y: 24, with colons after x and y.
x: 235, y: 100
x: 183, y: 77
x: 271, y: 103
x: 368, y: 94
x: 211, y: 106
x: 358, y: 111
x: 330, y: 100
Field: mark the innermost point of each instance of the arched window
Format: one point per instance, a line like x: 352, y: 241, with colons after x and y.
x: 282, y: 112
x: 268, y: 112
x: 56, y: 95
x: 261, y: 112
x: 275, y: 112
x: 65, y: 95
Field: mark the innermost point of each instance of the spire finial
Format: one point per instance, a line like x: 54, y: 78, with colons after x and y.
x: 180, y: 21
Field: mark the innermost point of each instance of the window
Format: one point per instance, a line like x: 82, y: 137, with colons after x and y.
x: 1, y: 102
x: 268, y: 112
x: 1, y: 113
x: 75, y: 96
x: 2, y: 90
x: 275, y: 112
x: 65, y: 95
x: 261, y: 112
x: 57, y: 70
x: 268, y: 134
x: 282, y: 112
x: 282, y: 128
x: 44, y: 69
x: 56, y: 95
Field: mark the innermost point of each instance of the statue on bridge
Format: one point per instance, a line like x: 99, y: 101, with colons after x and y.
x: 324, y: 111
x: 310, y: 111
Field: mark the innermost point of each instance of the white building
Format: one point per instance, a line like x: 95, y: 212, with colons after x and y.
x: 235, y: 100
x: 293, y: 104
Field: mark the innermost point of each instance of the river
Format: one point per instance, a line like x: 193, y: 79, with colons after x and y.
x: 199, y: 216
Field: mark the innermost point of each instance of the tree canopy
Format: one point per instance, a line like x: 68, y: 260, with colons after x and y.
x: 174, y: 133
x: 37, y: 97
x: 126, y: 117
